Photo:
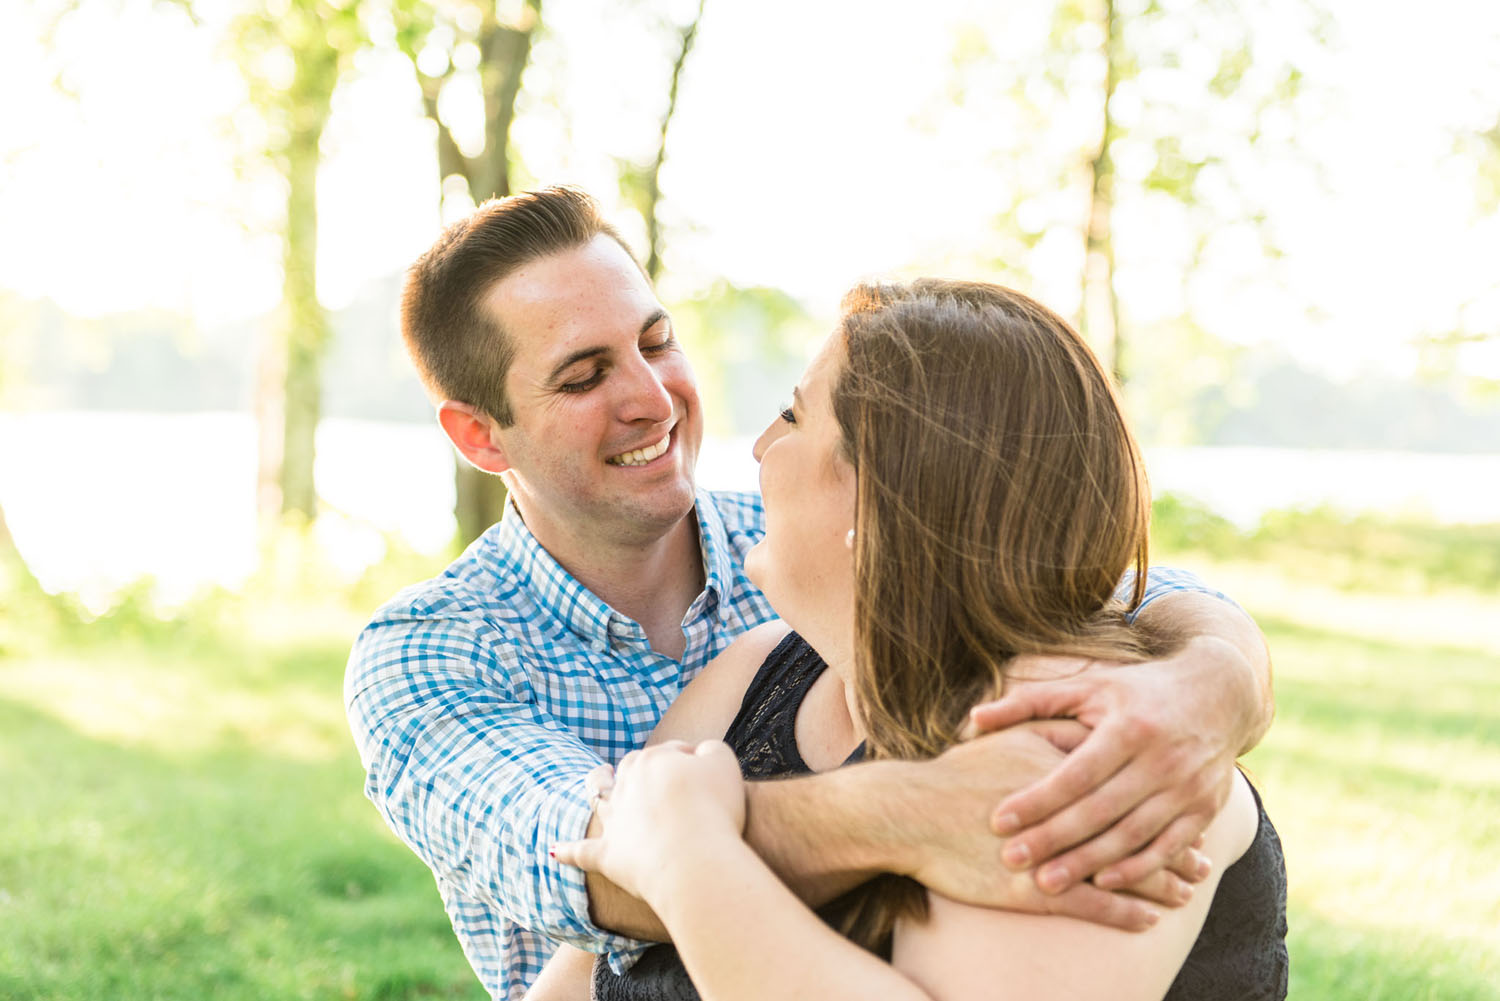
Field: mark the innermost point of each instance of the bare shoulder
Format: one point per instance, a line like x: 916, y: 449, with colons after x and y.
x: 968, y: 952
x: 706, y: 707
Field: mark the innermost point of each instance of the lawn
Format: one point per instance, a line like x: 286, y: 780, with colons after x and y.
x: 184, y: 816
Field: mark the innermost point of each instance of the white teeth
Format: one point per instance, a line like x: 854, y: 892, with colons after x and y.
x: 641, y: 456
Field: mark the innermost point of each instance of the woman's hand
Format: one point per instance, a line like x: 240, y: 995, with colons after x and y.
x: 667, y: 803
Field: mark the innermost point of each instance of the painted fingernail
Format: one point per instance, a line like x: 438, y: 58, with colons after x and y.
x: 1109, y: 880
x: 1052, y: 878
x: 1007, y: 823
x: 1017, y: 856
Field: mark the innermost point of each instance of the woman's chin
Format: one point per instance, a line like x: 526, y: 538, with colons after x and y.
x: 753, y: 569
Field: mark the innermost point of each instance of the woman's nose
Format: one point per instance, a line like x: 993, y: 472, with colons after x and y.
x: 770, y: 434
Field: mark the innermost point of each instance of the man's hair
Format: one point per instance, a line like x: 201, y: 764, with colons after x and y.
x: 1000, y: 498
x: 457, y: 345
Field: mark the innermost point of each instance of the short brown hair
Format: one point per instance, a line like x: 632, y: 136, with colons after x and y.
x: 459, y: 350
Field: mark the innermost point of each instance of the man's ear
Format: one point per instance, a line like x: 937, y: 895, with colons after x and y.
x: 470, y: 430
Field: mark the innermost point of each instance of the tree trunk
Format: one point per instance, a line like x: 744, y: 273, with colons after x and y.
x: 479, y: 500
x: 652, y: 194
x: 479, y: 497
x: 1101, y: 304
x: 290, y: 392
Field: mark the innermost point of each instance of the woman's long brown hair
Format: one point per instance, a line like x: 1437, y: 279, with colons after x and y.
x: 1001, y: 497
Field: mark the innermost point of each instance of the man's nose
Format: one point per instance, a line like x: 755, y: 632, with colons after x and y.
x: 643, y: 397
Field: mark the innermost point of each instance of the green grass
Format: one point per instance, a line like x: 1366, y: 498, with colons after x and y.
x: 184, y: 815
x: 184, y: 819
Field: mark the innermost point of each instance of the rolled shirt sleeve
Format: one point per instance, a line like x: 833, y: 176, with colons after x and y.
x: 1162, y: 581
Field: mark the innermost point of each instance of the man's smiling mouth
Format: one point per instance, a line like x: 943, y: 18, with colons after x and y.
x: 641, y: 456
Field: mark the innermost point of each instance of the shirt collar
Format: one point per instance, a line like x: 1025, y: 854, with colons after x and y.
x: 582, y: 611
x: 713, y: 537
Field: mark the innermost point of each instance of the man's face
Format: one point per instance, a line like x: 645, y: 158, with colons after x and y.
x: 607, y: 420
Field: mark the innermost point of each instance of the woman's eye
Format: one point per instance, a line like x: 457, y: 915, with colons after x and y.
x: 787, y: 415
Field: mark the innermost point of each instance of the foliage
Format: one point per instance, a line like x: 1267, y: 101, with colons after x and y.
x: 749, y: 345
x: 1361, y: 551
x: 1130, y: 132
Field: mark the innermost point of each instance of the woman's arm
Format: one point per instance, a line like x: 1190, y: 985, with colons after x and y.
x: 674, y: 837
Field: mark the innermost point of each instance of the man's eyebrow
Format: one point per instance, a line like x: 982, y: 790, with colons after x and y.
x: 656, y: 317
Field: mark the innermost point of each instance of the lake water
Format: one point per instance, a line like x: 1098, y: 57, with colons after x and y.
x: 96, y: 500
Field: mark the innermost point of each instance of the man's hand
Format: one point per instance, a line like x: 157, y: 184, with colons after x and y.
x: 1144, y: 784
x: 959, y: 857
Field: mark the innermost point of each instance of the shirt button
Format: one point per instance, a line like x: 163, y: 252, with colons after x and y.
x: 600, y: 646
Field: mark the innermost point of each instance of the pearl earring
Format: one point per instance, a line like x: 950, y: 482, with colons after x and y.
x: 849, y: 539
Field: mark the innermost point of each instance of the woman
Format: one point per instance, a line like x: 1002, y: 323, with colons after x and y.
x: 954, y: 486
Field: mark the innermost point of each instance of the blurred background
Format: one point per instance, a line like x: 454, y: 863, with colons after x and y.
x: 1277, y: 220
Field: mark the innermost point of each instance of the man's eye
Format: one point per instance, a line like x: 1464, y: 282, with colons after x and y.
x: 583, y: 385
x: 667, y: 343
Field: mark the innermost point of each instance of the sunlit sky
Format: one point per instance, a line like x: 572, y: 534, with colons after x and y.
x: 815, y: 144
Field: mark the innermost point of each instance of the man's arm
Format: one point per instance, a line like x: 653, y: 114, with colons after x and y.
x: 468, y: 771
x: 1156, y: 769
x: 825, y: 834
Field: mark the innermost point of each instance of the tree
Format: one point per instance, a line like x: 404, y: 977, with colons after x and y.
x: 1135, y: 116
x: 641, y: 186
x: 441, y: 40
x: 292, y: 54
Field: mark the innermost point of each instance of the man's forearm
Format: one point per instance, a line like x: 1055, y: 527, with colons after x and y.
x: 821, y: 834
x: 1229, y: 639
x: 826, y: 834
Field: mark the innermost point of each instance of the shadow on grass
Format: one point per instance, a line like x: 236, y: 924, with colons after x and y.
x: 231, y: 875
x: 1342, y: 683
x: 1337, y: 961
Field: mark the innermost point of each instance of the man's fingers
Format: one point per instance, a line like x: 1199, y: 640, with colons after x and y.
x: 1181, y: 833
x: 1132, y: 832
x: 1085, y: 769
x: 1024, y: 702
x: 1189, y: 864
x: 1067, y: 735
x: 1163, y: 887
x: 1117, y: 910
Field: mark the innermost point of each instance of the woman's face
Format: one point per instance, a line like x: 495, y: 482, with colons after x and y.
x: 805, y: 564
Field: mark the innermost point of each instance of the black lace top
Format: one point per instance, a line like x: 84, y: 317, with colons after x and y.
x: 1240, y: 955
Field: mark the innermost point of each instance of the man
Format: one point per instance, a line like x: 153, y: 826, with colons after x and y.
x: 481, y: 700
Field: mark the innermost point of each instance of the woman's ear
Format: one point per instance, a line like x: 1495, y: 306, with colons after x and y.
x: 472, y: 432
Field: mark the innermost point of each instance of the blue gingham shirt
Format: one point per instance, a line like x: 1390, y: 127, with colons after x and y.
x: 481, y: 698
